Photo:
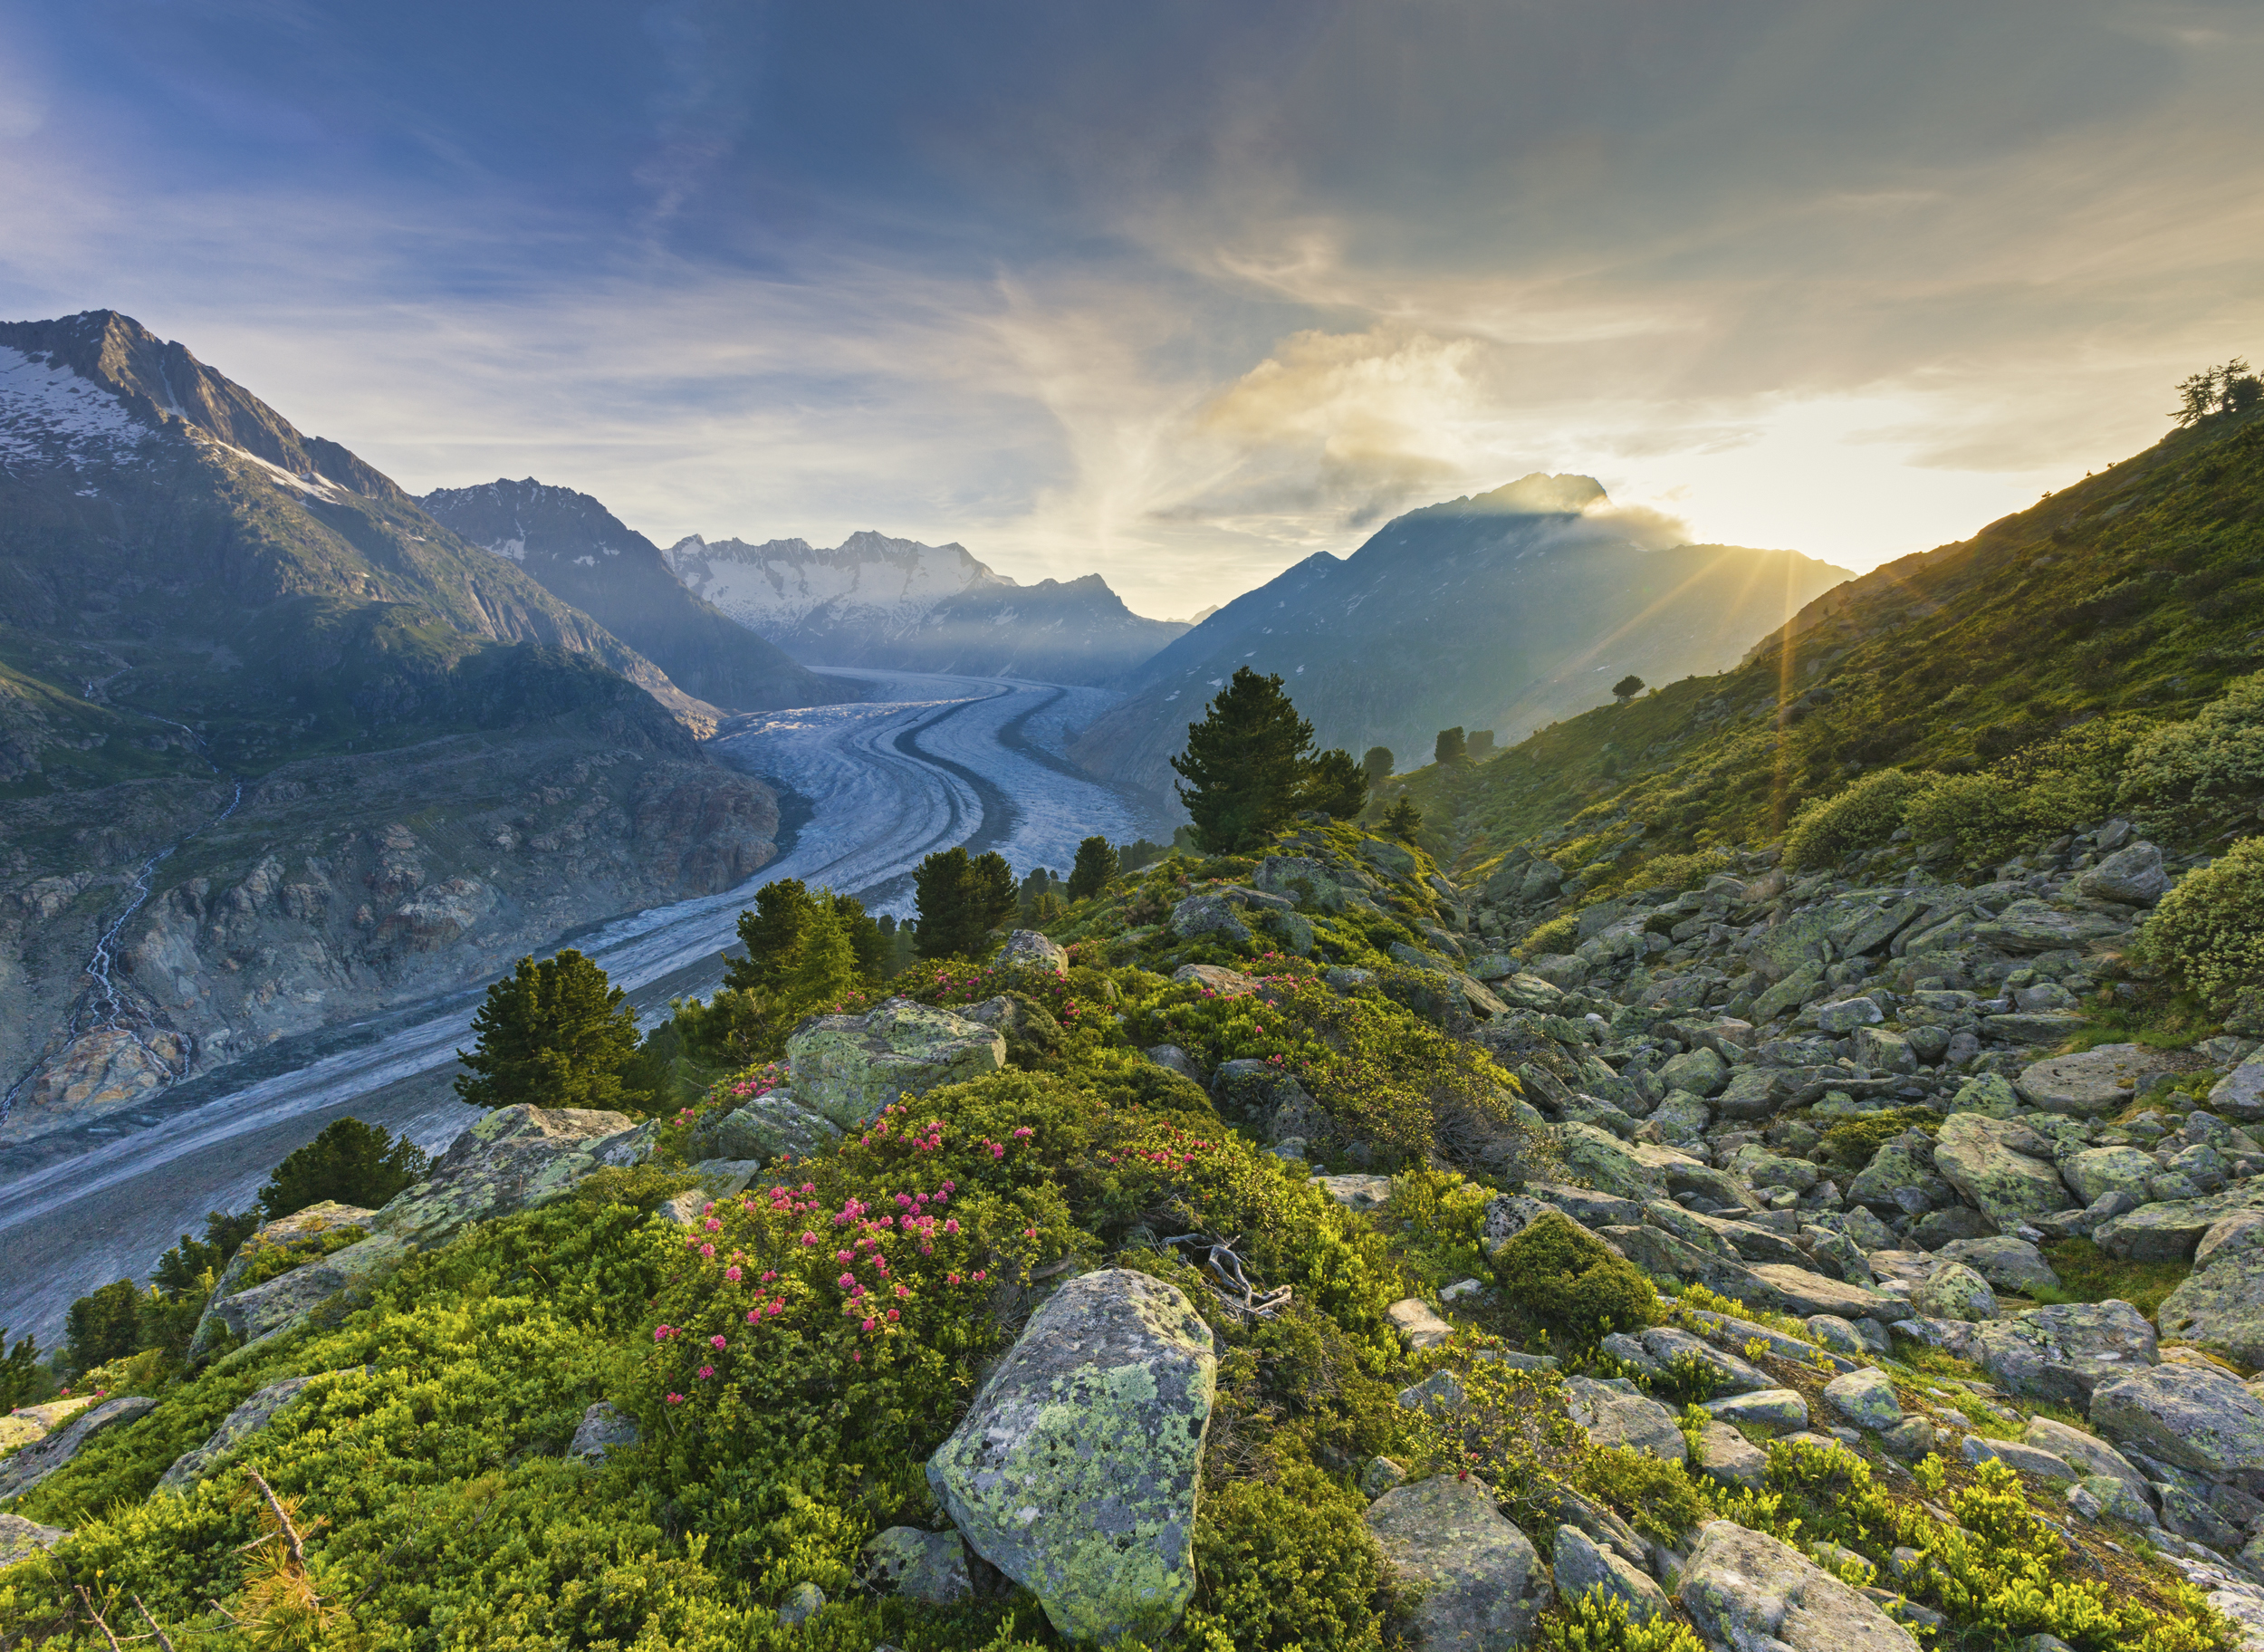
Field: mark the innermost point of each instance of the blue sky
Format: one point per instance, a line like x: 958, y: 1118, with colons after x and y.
x: 1178, y: 292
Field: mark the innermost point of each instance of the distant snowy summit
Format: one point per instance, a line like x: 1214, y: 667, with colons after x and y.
x: 874, y: 600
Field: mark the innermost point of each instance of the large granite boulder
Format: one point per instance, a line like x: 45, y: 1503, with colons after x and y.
x: 1209, y: 915
x: 2172, y: 1230
x: 2063, y: 1352
x: 2091, y: 1083
x: 1027, y: 949
x: 2221, y: 1306
x: 604, y: 1429
x: 1748, y: 1592
x: 2133, y: 875
x: 848, y: 1068
x: 247, y: 1419
x: 2005, y: 1262
x: 2099, y: 1171
x: 1076, y: 1471
x: 2087, y: 1453
x: 1481, y: 1585
x: 290, y: 1299
x: 2239, y: 1094
x: 2199, y: 1419
x: 515, y: 1158
x: 1582, y: 1567
x: 301, y: 1228
x: 766, y: 1128
x: 1902, y: 1166
x: 1802, y: 1291
x: 1616, y: 1413
x: 33, y: 1463
x: 1954, y: 1292
x: 2002, y: 1166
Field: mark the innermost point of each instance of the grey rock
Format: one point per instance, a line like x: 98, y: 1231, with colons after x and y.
x: 2239, y: 1094
x: 1847, y: 1015
x: 849, y: 1067
x: 2133, y: 875
x: 929, y: 1567
x: 1837, y: 1334
x: 1208, y: 915
x: 1865, y: 1398
x: 2103, y: 1496
x: 1700, y: 1071
x: 1909, y: 1439
x: 2063, y: 1352
x: 1027, y: 949
x: 1441, y: 1393
x: 20, y: 1539
x: 765, y: 1128
x: 247, y: 1419
x: 2099, y: 1170
x: 1748, y: 1592
x: 1615, y: 1414
x: 2203, y: 1420
x: 603, y: 1426
x: 2085, y: 1453
x: 2091, y: 1083
x: 512, y: 1160
x: 1727, y: 1456
x: 1379, y: 1476
x: 1095, y: 1419
x: 33, y: 1463
x: 2005, y: 1262
x: 803, y: 1602
x: 1954, y: 1292
x: 1356, y: 1192
x: 1179, y: 1061
x: 1480, y: 1582
x: 2003, y: 1167
x: 1773, y: 1410
x: 1582, y: 1568
x: 1418, y: 1324
x: 2221, y: 1306
x: 2172, y: 1230
x: 1663, y: 1345
x: 273, y: 1306
x: 2027, y: 1459
x: 2191, y: 1517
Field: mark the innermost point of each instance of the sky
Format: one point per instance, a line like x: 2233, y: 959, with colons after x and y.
x: 1180, y: 293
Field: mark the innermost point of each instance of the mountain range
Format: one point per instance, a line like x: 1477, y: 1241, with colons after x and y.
x: 1505, y: 610
x: 583, y: 554
x: 873, y: 601
x: 298, y: 749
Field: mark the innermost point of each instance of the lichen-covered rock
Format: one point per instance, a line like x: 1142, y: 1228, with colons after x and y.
x: 1418, y: 1323
x: 2133, y: 875
x: 1608, y: 1164
x: 2221, y: 1306
x: 848, y: 1068
x: 1802, y: 1291
x: 1727, y: 1456
x: 1865, y: 1398
x: 1615, y: 1413
x: 2002, y: 1166
x: 2063, y: 1352
x: 2099, y: 1171
x: 2019, y: 1455
x: 765, y: 1128
x: 1771, y: 1410
x: 1904, y: 1164
x: 287, y: 1300
x: 31, y: 1464
x: 1356, y: 1192
x: 515, y: 1158
x: 2196, y: 1418
x: 1208, y: 915
x: 1027, y: 949
x: 2005, y: 1262
x: 1076, y: 1471
x: 1954, y: 1292
x: 2239, y: 1094
x: 1748, y: 1592
x: 2171, y: 1230
x: 924, y: 1566
x: 603, y: 1428
x: 1480, y: 1584
x: 2086, y: 1452
x: 1582, y: 1568
x: 2091, y: 1083
x: 1216, y: 979
x: 247, y: 1419
x: 21, y: 1539
x: 1700, y: 1071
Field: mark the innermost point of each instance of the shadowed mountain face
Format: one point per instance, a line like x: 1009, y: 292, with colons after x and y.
x: 1503, y: 611
x: 581, y: 553
x: 872, y: 600
x: 288, y: 748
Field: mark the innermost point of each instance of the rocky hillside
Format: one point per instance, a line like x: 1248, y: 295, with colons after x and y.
x: 1276, y: 1265
x: 895, y: 604
x: 1503, y: 611
x: 234, y: 660
x: 584, y: 555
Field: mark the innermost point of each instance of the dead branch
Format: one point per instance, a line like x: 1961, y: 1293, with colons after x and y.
x: 164, y: 1645
x: 1227, y: 1275
x: 97, y: 1615
x: 275, y: 1507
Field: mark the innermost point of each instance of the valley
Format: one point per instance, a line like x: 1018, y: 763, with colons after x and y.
x: 925, y: 763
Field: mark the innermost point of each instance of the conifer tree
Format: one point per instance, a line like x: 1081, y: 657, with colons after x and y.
x: 1096, y: 862
x: 351, y: 1162
x: 554, y: 1034
x: 825, y: 966
x: 1403, y: 819
x: 772, y: 933
x: 19, y: 1381
x: 1448, y: 747
x: 1336, y: 785
x: 870, y: 947
x: 962, y: 898
x: 1627, y: 688
x: 1243, y: 764
x: 1377, y: 765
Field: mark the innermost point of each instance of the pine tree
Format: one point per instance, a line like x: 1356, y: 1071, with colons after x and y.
x: 866, y: 941
x: 1377, y: 765
x: 772, y: 933
x: 1403, y: 819
x: 1096, y: 862
x: 1335, y: 785
x: 351, y: 1162
x: 103, y: 1325
x: 825, y: 966
x: 554, y: 1034
x: 1244, y: 764
x: 1448, y: 746
x: 962, y: 898
x: 1627, y: 688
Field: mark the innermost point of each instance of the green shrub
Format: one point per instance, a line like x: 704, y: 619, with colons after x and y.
x: 2209, y: 931
x: 1557, y: 935
x: 1851, y: 1143
x: 1657, y: 1496
x: 1597, y: 1622
x: 1570, y: 1284
x: 2216, y: 754
x: 1288, y: 1565
x: 1866, y: 813
x: 1980, y: 813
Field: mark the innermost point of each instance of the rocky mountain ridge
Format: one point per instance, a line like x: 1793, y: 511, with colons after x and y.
x: 583, y: 554
x: 873, y: 601
x: 234, y: 660
x: 1504, y: 610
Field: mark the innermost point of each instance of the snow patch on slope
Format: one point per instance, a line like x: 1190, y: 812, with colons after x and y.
x: 51, y: 417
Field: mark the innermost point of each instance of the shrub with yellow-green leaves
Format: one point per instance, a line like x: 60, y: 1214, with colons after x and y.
x: 2216, y: 754
x: 2208, y: 930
